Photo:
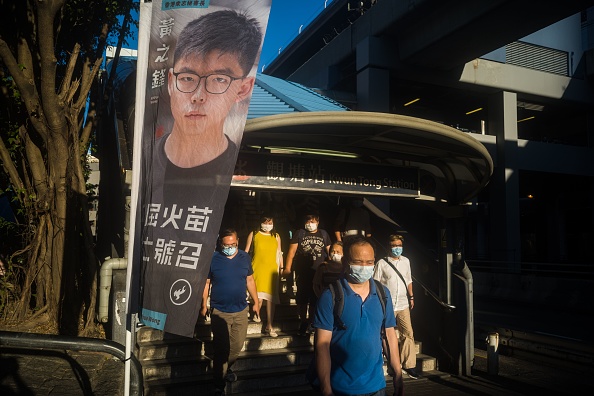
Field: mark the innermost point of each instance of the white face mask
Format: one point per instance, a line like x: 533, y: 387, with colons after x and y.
x: 266, y: 227
x: 336, y: 257
x: 311, y: 227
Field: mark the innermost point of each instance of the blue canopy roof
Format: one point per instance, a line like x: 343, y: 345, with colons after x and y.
x: 273, y: 96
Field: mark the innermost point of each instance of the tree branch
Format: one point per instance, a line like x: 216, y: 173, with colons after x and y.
x: 88, y: 128
x: 36, y: 164
x: 26, y: 86
x: 67, y: 80
x: 46, y: 12
x: 10, y: 168
x: 87, y: 83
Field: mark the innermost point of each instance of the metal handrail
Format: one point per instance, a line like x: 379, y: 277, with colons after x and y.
x: 432, y: 294
x: 417, y: 281
x: 533, y: 268
x: 57, y: 342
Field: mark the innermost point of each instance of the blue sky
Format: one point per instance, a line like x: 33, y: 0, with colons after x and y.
x: 286, y: 18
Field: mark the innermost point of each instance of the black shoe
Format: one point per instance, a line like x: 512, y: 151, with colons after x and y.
x: 230, y: 376
x: 412, y: 373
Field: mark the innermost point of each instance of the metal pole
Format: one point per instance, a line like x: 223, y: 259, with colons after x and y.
x: 144, y: 30
x: 493, y: 354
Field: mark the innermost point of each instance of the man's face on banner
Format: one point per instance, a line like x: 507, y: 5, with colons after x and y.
x: 200, y: 110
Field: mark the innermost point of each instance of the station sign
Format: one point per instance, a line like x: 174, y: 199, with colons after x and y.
x: 293, y: 172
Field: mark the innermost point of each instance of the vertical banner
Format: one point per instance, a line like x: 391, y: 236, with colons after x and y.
x: 202, y: 61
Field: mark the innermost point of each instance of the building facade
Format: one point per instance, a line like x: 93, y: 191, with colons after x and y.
x: 523, y: 86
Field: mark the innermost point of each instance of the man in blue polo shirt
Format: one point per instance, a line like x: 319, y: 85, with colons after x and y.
x: 230, y: 275
x: 349, y: 361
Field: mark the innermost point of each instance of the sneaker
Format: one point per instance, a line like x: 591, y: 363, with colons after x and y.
x: 412, y: 373
x: 256, y: 319
x: 230, y: 376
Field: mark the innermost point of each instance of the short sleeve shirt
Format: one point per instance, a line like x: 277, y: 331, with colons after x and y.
x: 228, y: 278
x: 356, y: 353
x: 311, y: 248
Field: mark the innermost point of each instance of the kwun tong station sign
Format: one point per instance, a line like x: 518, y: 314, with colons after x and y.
x: 257, y: 170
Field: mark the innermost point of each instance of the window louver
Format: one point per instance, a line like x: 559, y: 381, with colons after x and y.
x: 537, y: 58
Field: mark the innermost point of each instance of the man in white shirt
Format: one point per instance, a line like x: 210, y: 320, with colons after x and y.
x: 394, y: 272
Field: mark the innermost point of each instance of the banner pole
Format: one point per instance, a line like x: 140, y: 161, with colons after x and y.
x: 141, y: 73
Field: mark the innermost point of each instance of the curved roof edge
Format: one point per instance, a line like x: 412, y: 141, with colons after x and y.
x: 459, y: 160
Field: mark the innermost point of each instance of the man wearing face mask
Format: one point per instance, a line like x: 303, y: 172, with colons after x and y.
x: 394, y: 272
x: 230, y: 275
x: 329, y: 270
x: 349, y: 359
x: 308, y: 249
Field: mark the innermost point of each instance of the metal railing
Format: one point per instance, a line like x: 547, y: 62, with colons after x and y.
x: 565, y: 270
x: 430, y: 292
x: 60, y: 343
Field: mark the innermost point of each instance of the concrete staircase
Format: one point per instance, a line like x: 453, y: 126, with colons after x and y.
x: 181, y: 366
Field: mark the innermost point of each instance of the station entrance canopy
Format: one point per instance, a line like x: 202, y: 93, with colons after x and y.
x: 388, y: 155
x: 256, y: 170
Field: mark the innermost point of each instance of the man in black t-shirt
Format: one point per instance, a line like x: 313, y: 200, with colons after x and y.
x: 309, y: 248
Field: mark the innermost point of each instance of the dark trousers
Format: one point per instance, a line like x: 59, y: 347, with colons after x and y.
x: 228, y: 335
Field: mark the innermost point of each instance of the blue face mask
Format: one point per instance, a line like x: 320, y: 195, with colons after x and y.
x: 397, y: 251
x: 361, y: 273
x: 229, y: 251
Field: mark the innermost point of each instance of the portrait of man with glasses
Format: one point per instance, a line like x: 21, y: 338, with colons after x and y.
x: 190, y: 156
x: 213, y: 57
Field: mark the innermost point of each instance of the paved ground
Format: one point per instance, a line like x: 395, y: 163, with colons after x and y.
x: 59, y: 373
x: 74, y: 374
x: 516, y: 377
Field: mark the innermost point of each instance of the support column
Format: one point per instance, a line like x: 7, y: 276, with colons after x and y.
x: 373, y: 78
x: 504, y: 186
x: 373, y: 93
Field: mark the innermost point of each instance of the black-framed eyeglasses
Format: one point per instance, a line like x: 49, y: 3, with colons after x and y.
x: 187, y: 82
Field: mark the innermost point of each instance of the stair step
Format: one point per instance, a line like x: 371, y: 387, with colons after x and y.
x: 286, y: 325
x: 257, y: 382
x: 248, y: 360
x: 151, y: 350
x: 160, y: 349
x: 266, y: 366
x: 248, y: 381
x: 307, y: 390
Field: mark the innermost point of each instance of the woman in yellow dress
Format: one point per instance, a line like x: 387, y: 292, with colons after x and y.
x: 266, y: 260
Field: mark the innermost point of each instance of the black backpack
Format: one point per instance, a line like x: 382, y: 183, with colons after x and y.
x: 338, y: 306
x: 338, y: 299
